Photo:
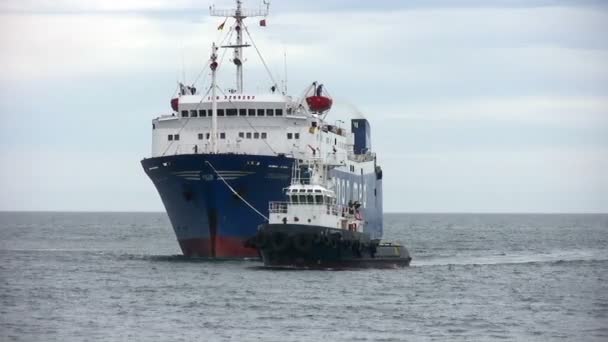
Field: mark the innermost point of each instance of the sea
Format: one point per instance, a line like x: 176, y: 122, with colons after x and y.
x: 473, y: 277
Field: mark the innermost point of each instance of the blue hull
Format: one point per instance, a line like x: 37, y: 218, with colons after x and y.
x: 209, y: 220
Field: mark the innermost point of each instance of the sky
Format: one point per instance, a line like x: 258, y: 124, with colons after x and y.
x: 475, y: 106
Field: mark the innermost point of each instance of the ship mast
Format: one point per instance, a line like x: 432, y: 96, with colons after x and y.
x: 239, y: 14
x: 238, y: 48
x: 213, y: 67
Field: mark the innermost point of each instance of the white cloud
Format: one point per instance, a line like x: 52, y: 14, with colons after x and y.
x: 92, y: 5
x: 587, y: 110
x: 533, y: 180
x: 63, y: 180
x: 546, y: 65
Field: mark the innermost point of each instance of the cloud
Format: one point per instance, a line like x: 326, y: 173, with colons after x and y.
x: 565, y: 180
x: 68, y: 179
x: 581, y: 110
x: 475, y: 105
x: 281, y: 6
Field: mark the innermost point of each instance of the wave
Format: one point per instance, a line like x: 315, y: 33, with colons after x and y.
x: 550, y: 257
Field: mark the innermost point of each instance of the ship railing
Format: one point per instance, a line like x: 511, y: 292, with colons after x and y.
x: 277, y: 207
x: 325, y: 208
x: 230, y: 146
x: 369, y: 156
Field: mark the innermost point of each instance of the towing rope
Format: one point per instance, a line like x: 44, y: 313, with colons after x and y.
x: 234, y: 191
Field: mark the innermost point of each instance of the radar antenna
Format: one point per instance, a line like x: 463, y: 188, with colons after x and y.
x: 239, y: 14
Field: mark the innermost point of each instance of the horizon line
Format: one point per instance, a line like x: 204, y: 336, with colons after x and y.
x: 384, y: 213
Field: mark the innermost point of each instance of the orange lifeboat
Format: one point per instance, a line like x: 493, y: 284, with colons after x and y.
x: 318, y: 101
x: 319, y: 104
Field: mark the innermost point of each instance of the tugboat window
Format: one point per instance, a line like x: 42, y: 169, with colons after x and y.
x: 260, y: 112
x: 193, y: 113
x: 302, y: 199
x: 248, y: 135
x: 170, y: 137
x: 202, y: 113
x: 184, y: 113
x: 296, y: 135
x: 289, y: 135
x: 176, y: 137
x: 241, y: 135
x: 251, y: 112
x: 220, y: 112
x: 222, y: 135
x: 242, y: 112
x: 319, y: 198
x: 310, y: 199
x: 294, y: 199
x: 270, y: 112
x: 264, y: 135
x: 256, y: 135
x: 200, y: 136
x: 278, y: 112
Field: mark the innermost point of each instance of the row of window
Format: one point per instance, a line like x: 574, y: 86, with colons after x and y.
x: 232, y: 112
x: 242, y: 135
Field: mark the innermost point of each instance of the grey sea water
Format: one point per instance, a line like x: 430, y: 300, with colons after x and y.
x: 118, y: 277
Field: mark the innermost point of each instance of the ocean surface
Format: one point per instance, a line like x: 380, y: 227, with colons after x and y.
x: 119, y: 277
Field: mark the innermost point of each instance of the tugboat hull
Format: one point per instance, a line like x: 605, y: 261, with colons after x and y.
x: 306, y: 246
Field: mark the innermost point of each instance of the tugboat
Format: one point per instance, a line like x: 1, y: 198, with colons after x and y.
x: 309, y: 230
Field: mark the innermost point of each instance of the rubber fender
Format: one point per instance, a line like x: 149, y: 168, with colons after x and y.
x: 262, y: 240
x: 279, y: 241
x: 302, y: 242
x: 355, y: 246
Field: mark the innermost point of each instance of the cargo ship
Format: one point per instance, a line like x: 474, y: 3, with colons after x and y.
x: 224, y: 152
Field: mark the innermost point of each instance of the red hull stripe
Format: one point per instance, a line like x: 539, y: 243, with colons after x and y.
x: 225, y: 247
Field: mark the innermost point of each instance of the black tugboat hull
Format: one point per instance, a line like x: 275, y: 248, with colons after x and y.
x: 317, y: 247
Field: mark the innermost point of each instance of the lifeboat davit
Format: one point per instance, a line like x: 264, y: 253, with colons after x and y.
x: 174, y: 103
x: 319, y: 104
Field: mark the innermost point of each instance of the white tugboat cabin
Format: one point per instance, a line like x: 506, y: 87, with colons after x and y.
x: 315, y: 205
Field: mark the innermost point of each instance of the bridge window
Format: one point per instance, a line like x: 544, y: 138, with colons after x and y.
x: 319, y: 198
x: 256, y: 135
x: 241, y: 135
x: 248, y: 135
x: 230, y: 112
x: 200, y: 136
x: 207, y: 136
x: 222, y: 135
x: 175, y: 137
x: 260, y: 112
x: 184, y: 113
x: 194, y: 113
x: 264, y: 136
x: 302, y: 198
x: 202, y: 113
x: 270, y: 112
x: 289, y: 136
x: 296, y: 136
x: 242, y: 112
x: 170, y: 137
x: 278, y: 112
x: 294, y: 199
x: 220, y: 112
x: 310, y: 199
x: 251, y: 112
